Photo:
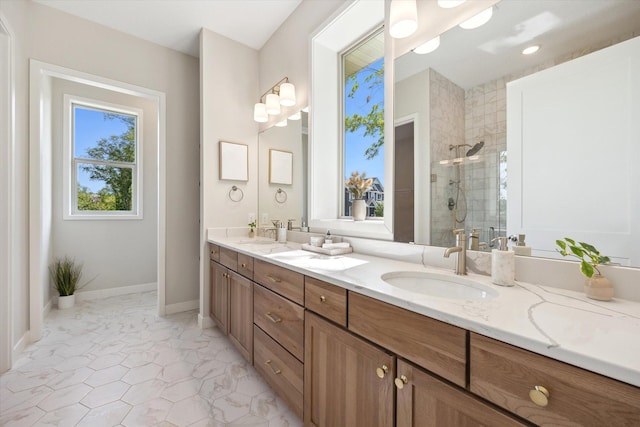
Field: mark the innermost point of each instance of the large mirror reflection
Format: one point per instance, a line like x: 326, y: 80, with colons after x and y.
x: 451, y: 107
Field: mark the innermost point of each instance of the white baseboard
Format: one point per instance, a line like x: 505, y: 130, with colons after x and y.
x: 47, y: 308
x: 19, y: 347
x: 204, y: 322
x: 181, y: 306
x: 121, y: 290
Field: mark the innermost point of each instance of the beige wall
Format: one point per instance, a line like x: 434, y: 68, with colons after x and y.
x: 54, y: 37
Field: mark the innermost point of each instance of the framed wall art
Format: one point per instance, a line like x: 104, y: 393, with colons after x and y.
x: 234, y: 161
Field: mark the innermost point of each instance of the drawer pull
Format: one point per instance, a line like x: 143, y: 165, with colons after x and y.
x: 273, y: 318
x: 323, y: 298
x: 273, y: 279
x: 275, y: 371
x: 243, y: 265
x: 382, y: 371
x: 539, y: 395
x: 400, y: 382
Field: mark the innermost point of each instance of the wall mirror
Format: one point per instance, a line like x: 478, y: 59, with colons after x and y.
x: 282, y: 173
x: 450, y: 105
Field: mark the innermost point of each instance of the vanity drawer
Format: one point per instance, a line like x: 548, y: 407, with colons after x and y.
x: 281, y: 370
x: 434, y: 345
x: 214, y: 252
x: 229, y: 258
x: 505, y: 375
x: 326, y: 300
x: 287, y: 283
x: 245, y: 265
x: 280, y: 318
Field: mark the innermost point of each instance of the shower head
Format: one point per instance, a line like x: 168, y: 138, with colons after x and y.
x: 473, y: 150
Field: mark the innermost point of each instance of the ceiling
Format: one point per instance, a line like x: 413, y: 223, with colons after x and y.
x: 471, y: 57
x: 176, y: 24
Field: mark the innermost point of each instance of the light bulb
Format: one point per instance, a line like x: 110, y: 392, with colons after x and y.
x: 287, y: 94
x: 428, y: 47
x: 478, y: 20
x: 260, y: 113
x: 403, y: 18
x: 273, y: 104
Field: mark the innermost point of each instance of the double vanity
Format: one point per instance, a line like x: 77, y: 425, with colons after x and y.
x: 365, y: 340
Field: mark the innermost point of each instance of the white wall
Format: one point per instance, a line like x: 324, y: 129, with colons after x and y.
x: 54, y: 37
x: 229, y: 88
x: 114, y: 253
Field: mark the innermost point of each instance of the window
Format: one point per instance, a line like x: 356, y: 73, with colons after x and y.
x: 363, y: 107
x: 103, y: 162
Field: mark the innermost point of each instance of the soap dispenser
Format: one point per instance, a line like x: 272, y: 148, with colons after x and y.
x: 521, y: 247
x: 502, y: 264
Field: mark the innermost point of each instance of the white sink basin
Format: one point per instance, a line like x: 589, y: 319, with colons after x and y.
x: 439, y: 285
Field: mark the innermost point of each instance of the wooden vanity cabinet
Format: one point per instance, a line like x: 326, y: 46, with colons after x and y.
x: 508, y: 376
x: 347, y: 381
x: 231, y: 300
x: 426, y: 401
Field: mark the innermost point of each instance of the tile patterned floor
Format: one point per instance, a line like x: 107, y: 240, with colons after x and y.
x: 113, y: 362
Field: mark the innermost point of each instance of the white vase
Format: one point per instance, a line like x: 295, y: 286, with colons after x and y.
x: 359, y: 210
x: 66, y: 302
x: 598, y: 287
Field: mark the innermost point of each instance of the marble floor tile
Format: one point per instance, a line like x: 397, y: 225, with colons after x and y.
x: 114, y: 362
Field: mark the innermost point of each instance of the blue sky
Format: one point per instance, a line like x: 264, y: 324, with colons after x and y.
x: 91, y: 126
x: 356, y: 143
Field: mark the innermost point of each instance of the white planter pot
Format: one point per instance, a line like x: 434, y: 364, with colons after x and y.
x: 359, y: 210
x: 66, y: 302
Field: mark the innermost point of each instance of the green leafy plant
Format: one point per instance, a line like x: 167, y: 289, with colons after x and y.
x: 588, y: 255
x: 252, y: 225
x: 65, y: 274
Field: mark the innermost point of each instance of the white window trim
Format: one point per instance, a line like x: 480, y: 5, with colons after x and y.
x: 70, y: 190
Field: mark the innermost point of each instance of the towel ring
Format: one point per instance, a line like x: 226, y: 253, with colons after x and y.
x: 281, y: 195
x: 233, y: 194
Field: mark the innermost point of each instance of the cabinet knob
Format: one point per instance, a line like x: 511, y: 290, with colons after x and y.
x: 275, y: 371
x: 243, y: 265
x: 539, y: 395
x: 273, y: 318
x: 400, y: 382
x: 381, y: 372
x: 323, y: 298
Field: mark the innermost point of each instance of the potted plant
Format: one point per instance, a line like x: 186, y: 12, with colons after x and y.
x: 252, y: 226
x: 358, y: 184
x: 65, y: 275
x: 596, y: 286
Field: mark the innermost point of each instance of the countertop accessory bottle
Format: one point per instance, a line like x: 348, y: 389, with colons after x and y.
x: 502, y: 264
x: 521, y: 247
x: 282, y: 233
x: 327, y: 238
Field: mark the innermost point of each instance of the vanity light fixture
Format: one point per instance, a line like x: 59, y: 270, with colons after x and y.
x: 296, y: 116
x: 403, y: 18
x: 428, y: 47
x: 281, y: 93
x: 450, y: 4
x: 478, y: 20
x: 530, y: 50
x: 281, y: 124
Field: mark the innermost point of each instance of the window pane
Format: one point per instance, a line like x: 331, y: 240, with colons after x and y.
x: 104, y: 188
x: 104, y: 135
x: 364, y: 120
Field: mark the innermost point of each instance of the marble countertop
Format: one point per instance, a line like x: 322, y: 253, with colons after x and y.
x: 602, y: 337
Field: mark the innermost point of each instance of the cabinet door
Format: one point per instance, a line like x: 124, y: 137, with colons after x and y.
x: 341, y: 382
x: 241, y: 314
x: 219, y: 294
x: 424, y: 401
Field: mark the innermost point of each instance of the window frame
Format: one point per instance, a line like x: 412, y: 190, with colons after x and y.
x: 70, y: 162
x: 380, y: 29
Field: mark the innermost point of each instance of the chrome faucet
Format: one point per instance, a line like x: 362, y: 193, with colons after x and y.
x: 461, y: 248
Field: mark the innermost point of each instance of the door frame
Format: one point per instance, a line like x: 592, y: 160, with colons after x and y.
x: 40, y: 75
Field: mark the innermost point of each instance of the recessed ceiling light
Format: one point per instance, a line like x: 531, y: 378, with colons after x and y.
x: 478, y: 20
x: 448, y: 4
x: 428, y: 47
x: 531, y: 49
